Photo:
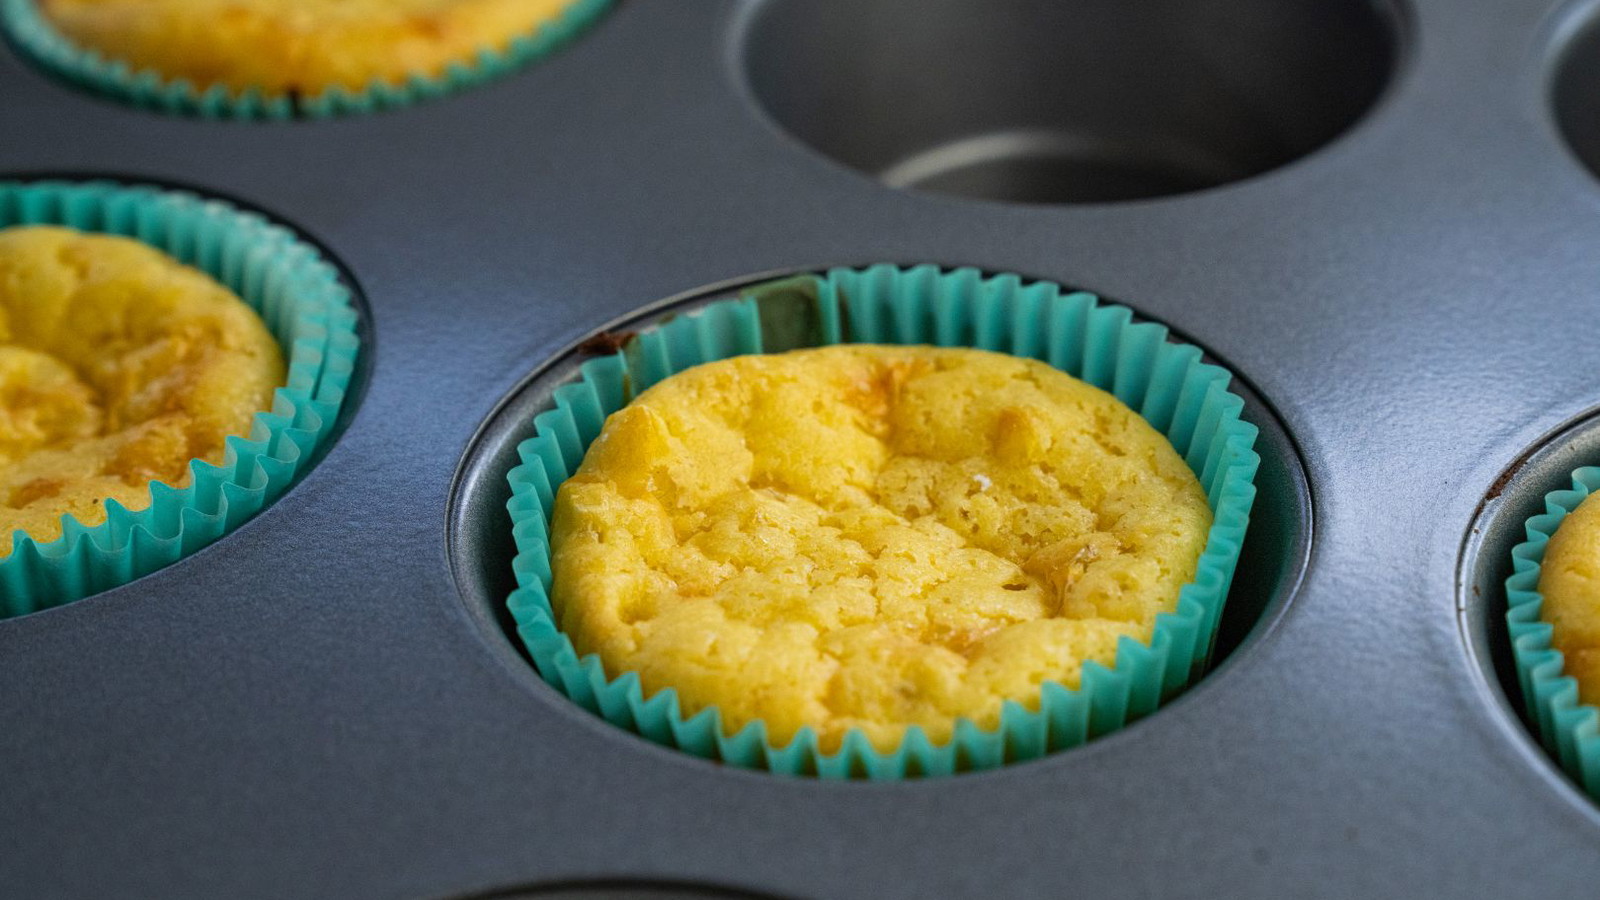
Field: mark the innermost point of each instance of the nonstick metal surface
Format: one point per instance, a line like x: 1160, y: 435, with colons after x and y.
x: 317, y: 705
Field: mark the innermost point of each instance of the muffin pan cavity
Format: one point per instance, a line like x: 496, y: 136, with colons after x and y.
x: 303, y: 300
x: 482, y: 547
x: 33, y: 32
x: 1066, y: 102
x: 1575, y: 90
x: 1486, y: 562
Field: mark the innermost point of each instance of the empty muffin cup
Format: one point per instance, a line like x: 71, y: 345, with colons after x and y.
x: 39, y: 39
x: 1167, y: 383
x: 303, y: 303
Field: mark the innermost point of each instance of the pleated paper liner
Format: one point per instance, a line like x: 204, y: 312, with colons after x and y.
x: 302, y: 301
x: 40, y: 41
x: 1569, y: 729
x: 1185, y: 398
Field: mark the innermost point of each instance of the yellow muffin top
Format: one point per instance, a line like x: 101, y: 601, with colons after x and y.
x: 1569, y: 579
x: 304, y: 46
x: 118, y: 365
x: 870, y: 537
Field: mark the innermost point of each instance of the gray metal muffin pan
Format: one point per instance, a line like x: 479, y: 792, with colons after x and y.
x: 1386, y: 235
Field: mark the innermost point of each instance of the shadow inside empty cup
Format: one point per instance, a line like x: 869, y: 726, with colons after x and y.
x: 1040, y: 101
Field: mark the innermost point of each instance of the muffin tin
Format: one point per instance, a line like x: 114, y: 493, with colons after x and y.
x: 1389, y: 239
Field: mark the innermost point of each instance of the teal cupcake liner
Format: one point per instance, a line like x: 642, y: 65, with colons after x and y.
x: 298, y: 295
x: 1167, y: 382
x: 39, y: 40
x: 1569, y: 729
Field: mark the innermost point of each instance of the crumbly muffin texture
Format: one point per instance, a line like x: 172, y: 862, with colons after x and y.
x: 297, y: 46
x: 118, y: 365
x: 1569, y: 579
x: 870, y: 537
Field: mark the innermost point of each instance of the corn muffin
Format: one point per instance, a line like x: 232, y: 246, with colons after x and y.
x: 870, y: 537
x: 297, y: 46
x: 1569, y: 579
x: 118, y: 365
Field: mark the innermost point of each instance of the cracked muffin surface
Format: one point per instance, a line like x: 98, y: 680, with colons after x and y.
x: 297, y: 46
x: 118, y: 365
x: 870, y: 537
